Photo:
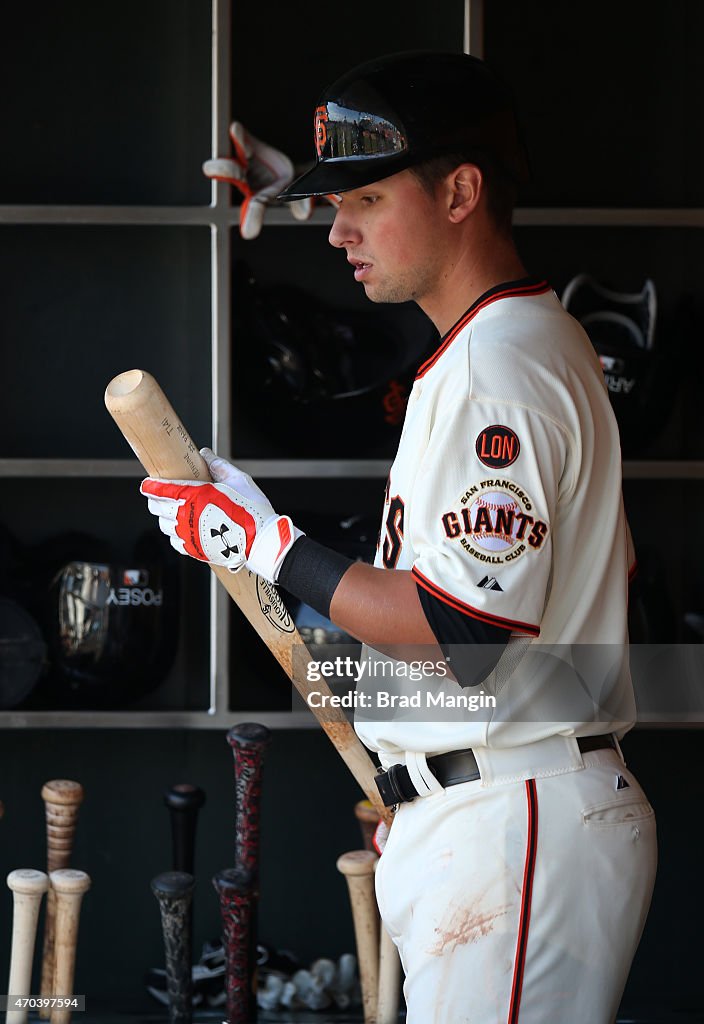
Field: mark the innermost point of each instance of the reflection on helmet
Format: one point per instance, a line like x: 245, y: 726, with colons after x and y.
x: 396, y: 111
x: 109, y: 642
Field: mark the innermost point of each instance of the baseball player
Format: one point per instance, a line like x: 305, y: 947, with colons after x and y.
x: 518, y: 873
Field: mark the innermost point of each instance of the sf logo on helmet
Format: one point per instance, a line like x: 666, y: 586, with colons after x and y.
x: 227, y: 550
x: 321, y: 129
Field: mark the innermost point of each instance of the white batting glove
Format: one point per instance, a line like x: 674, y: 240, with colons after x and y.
x: 228, y: 522
x: 259, y: 172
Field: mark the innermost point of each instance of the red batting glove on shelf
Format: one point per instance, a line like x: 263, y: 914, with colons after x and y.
x: 228, y: 522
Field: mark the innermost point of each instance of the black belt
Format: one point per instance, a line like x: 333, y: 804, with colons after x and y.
x: 454, y: 767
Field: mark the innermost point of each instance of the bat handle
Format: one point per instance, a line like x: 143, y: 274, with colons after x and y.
x: 183, y: 801
x: 62, y: 800
x: 248, y: 741
x: 358, y: 867
x: 28, y: 887
x: 368, y: 817
x: 69, y: 887
x: 174, y: 893
x: 389, y: 980
x: 237, y: 893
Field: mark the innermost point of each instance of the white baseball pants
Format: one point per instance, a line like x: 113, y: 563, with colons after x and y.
x: 520, y: 902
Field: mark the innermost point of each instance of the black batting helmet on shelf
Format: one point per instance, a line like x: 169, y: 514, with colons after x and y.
x: 621, y: 327
x: 110, y: 619
x: 342, y: 377
x: 402, y: 109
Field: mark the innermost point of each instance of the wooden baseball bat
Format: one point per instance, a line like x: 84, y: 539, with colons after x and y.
x: 174, y: 892
x: 368, y: 818
x: 28, y: 887
x: 183, y: 800
x: 389, y: 980
x: 62, y: 799
x: 163, y: 446
x: 389, y: 963
x: 237, y: 894
x: 358, y: 868
x: 248, y: 742
x: 69, y: 887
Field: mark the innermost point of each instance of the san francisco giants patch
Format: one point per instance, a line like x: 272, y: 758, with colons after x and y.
x: 497, y: 446
x: 495, y: 522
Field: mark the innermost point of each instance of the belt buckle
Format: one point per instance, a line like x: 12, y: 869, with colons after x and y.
x: 389, y: 790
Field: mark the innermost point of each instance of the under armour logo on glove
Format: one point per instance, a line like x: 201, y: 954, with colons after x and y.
x: 228, y: 522
x: 227, y: 550
x: 196, y: 516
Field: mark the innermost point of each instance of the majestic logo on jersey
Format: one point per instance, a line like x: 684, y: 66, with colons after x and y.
x: 497, y: 446
x: 490, y: 583
x: 494, y: 522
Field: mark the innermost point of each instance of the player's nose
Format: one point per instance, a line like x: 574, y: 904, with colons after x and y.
x: 343, y: 232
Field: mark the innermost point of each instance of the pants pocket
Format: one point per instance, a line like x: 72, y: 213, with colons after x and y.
x: 617, y: 812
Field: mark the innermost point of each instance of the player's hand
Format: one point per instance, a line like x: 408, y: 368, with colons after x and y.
x: 228, y: 522
x: 259, y: 172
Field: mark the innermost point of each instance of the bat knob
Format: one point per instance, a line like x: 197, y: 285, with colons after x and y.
x: 69, y: 881
x: 357, y: 862
x: 28, y: 881
x: 233, y: 881
x: 184, y: 797
x: 173, y: 884
x: 249, y: 734
x: 62, y: 791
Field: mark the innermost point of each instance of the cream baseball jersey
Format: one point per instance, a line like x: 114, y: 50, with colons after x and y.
x: 504, y: 501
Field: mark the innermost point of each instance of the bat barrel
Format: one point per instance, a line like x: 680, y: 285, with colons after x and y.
x: 174, y: 894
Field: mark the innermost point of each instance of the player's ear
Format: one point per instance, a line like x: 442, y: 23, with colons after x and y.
x: 464, y: 190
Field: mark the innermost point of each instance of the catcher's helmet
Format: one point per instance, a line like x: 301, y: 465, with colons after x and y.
x: 397, y: 111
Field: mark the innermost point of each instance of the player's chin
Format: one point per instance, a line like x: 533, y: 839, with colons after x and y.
x: 380, y: 293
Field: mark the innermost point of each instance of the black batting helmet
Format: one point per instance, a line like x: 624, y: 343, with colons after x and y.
x: 400, y: 110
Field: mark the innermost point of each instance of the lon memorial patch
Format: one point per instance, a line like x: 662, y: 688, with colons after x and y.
x: 497, y: 446
x: 495, y: 522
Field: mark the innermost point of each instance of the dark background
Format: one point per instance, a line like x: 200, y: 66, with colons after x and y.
x: 110, y: 104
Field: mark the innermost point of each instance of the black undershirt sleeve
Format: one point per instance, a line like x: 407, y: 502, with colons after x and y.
x: 472, y: 647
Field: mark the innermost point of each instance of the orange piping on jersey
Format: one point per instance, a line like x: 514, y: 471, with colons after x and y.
x: 467, y: 609
x: 632, y: 571
x: 502, y: 292
x: 526, y: 901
